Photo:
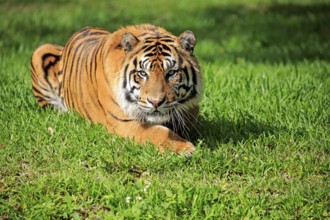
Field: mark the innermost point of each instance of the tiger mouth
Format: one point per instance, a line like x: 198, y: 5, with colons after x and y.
x: 157, y: 117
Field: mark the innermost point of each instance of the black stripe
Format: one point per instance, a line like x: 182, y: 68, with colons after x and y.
x: 104, y: 112
x: 180, y: 61
x: 87, y: 93
x: 166, y: 36
x: 132, y: 89
x: 85, y: 31
x: 145, y: 46
x: 69, y: 79
x: 87, y: 114
x: 149, y: 47
x: 83, y: 65
x: 68, y: 94
x: 194, y: 77
x: 190, y: 96
x: 165, y: 54
x: 167, y: 40
x: 184, y: 87
x: 38, y: 91
x: 193, y: 72
x: 148, y: 40
x: 150, y: 54
x: 46, y: 68
x: 120, y: 119
x: 40, y: 98
x: 125, y: 76
x: 143, y: 63
x: 135, y: 78
x: 130, y: 74
x: 76, y: 37
x: 143, y: 34
x: 43, y: 95
x: 77, y: 82
x: 91, y: 65
x: 32, y: 66
x: 135, y: 62
x: 185, y: 70
x: 166, y: 47
x: 95, y: 61
x: 98, y: 33
x: 47, y: 55
x: 37, y: 81
x: 60, y: 86
x: 129, y: 98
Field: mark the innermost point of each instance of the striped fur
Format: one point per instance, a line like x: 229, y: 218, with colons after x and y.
x: 139, y: 82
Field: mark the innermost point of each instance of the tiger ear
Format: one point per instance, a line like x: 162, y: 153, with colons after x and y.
x: 188, y: 41
x: 128, y: 41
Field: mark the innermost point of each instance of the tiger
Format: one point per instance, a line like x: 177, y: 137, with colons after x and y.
x: 140, y: 82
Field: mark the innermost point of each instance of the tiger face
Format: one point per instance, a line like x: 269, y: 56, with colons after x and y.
x: 160, y: 79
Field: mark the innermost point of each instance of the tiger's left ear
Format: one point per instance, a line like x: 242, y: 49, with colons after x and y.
x: 188, y: 41
x: 128, y: 41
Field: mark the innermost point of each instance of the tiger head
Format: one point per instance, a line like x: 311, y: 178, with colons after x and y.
x: 160, y: 77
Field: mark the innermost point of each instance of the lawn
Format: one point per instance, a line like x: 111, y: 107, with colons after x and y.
x: 263, y: 149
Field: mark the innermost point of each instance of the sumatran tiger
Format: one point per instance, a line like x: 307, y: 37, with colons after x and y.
x: 140, y: 82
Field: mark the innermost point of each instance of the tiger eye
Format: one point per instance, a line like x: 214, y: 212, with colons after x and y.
x: 142, y: 74
x: 172, y: 73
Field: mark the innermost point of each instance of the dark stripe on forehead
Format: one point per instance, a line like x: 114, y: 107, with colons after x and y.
x: 167, y: 40
x: 149, y: 47
x: 149, y: 41
x: 166, y: 47
x: 166, y: 36
x: 135, y: 62
x: 145, y: 46
x: 144, y: 63
x: 141, y: 35
x: 150, y: 54
x: 165, y: 54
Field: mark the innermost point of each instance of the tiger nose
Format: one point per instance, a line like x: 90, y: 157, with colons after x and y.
x: 156, y: 102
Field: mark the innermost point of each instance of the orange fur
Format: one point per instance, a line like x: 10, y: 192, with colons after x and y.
x: 140, y: 82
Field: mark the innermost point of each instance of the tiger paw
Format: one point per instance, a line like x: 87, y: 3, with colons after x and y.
x: 186, y: 149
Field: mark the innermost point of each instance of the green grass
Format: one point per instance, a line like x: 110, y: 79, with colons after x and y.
x: 264, y: 144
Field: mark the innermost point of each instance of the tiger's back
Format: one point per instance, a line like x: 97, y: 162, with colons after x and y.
x: 62, y: 77
x: 128, y: 80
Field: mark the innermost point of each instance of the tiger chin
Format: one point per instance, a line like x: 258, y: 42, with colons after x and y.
x: 140, y: 82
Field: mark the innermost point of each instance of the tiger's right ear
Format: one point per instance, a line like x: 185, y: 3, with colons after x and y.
x: 128, y: 41
x: 188, y: 41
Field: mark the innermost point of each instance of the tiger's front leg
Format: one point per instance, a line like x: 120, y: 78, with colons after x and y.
x: 162, y: 137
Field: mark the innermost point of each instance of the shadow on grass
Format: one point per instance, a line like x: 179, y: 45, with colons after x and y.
x: 223, y: 131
